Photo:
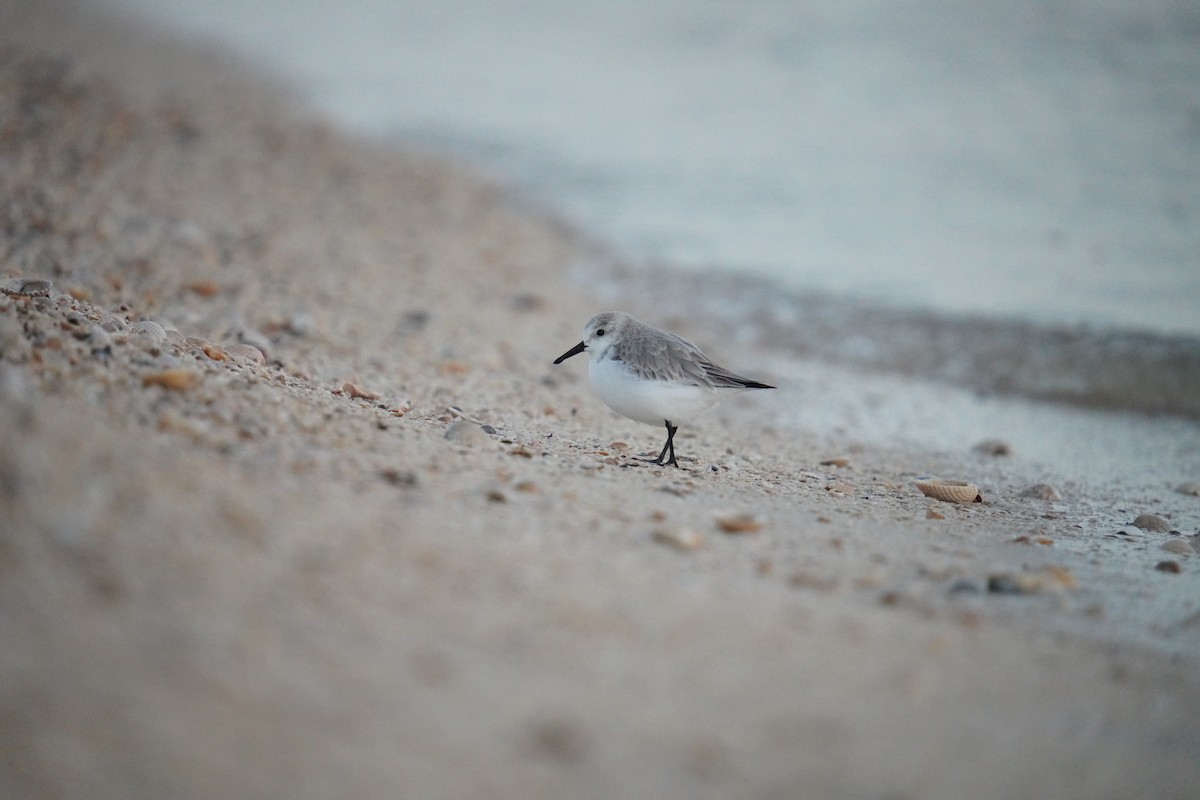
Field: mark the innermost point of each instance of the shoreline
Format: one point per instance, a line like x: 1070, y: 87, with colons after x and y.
x: 296, y: 577
x: 1087, y: 367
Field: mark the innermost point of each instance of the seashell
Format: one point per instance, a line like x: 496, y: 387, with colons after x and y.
x: 839, y: 488
x: 149, y: 328
x: 27, y: 287
x: 732, y: 522
x: 247, y: 352
x: 1042, y: 491
x: 113, y: 324
x: 1178, y: 546
x: 467, y: 433
x: 256, y: 340
x: 175, y: 337
x: 1191, y: 487
x: 1151, y: 522
x: 951, y: 491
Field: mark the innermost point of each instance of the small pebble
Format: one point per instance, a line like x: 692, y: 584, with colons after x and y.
x: 993, y: 447
x: 354, y: 390
x: 214, y: 352
x: 1042, y: 491
x: 560, y: 741
x: 808, y: 580
x: 99, y: 340
x: 299, y: 324
x: 527, y: 301
x: 206, y: 288
x: 1178, y: 546
x: 684, y: 539
x: 1191, y: 487
x: 1168, y: 566
x: 177, y: 380
x: 731, y: 522
x: 1152, y: 522
x: 398, y: 478
x: 966, y: 587
x: 838, y: 461
x: 1051, y: 578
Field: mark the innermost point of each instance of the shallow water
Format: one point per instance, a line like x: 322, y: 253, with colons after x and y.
x: 1012, y: 159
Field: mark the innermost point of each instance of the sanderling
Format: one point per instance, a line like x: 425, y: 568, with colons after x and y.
x: 652, y: 376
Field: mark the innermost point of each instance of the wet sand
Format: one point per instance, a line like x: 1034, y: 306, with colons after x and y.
x: 319, y: 576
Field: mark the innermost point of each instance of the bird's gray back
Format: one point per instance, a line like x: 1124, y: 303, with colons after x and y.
x: 658, y: 355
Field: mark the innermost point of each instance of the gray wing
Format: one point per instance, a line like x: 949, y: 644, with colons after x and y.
x: 659, y: 355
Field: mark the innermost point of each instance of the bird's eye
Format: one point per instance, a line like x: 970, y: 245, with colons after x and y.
x: 600, y: 332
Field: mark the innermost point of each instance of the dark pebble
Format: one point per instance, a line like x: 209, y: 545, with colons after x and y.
x: 1002, y: 584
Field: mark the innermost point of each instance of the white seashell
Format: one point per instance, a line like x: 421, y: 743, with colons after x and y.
x: 1191, y: 487
x: 1178, y: 546
x: 113, y: 324
x: 246, y: 352
x: 149, y: 328
x: 951, y: 491
x: 1152, y: 522
x: 257, y: 340
x: 467, y: 433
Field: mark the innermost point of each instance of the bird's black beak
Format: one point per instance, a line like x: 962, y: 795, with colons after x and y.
x: 574, y: 351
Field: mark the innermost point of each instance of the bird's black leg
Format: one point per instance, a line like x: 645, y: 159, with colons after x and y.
x: 669, y: 447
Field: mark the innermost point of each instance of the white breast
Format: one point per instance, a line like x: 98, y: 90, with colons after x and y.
x: 648, y: 401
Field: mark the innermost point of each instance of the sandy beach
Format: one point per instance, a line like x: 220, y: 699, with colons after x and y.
x: 294, y: 503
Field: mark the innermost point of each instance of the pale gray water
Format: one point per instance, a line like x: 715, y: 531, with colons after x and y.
x: 1025, y: 158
